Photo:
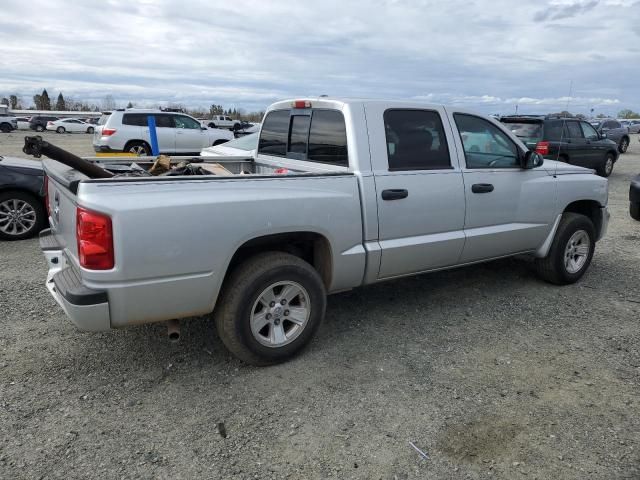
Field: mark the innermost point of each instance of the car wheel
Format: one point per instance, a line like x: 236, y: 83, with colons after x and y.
x: 4, y: 128
x: 60, y: 130
x: 270, y: 308
x: 139, y: 148
x: 571, y: 250
x: 212, y: 125
x: 90, y: 130
x: 624, y: 145
x: 21, y: 215
x: 634, y: 210
x: 606, y: 168
x: 39, y: 128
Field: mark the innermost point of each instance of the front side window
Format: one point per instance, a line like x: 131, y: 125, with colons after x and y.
x: 589, y: 132
x: 182, y: 121
x: 415, y: 140
x: 485, y: 145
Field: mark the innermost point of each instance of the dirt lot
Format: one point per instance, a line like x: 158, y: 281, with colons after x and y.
x: 491, y: 372
x: 78, y: 143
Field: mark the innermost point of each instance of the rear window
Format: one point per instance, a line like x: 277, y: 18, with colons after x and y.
x: 319, y: 137
x: 103, y: 119
x: 526, y: 130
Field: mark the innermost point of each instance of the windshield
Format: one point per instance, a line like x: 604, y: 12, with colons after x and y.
x: 526, y: 130
x: 247, y: 142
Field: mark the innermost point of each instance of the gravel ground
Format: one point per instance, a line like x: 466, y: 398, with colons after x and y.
x: 79, y: 143
x: 491, y: 372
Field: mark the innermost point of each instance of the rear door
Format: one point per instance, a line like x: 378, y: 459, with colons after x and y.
x: 597, y: 147
x: 509, y: 209
x: 420, y: 192
x: 164, y: 129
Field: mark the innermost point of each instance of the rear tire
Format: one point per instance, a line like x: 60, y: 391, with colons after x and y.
x: 634, y: 210
x: 571, y: 251
x: 90, y: 130
x: 22, y: 215
x: 263, y: 332
x: 139, y: 148
x: 606, y: 168
x: 60, y: 130
x: 5, y: 128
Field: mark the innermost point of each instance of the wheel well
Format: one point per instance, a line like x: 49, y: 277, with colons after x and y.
x: 128, y: 144
x: 612, y: 152
x: 311, y: 247
x: 590, y: 209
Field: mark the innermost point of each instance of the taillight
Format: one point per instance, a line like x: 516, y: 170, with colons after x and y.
x: 301, y: 104
x: 46, y: 195
x: 95, y: 240
x: 49, y: 123
x: 107, y: 132
x: 542, y: 148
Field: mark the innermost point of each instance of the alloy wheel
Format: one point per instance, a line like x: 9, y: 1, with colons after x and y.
x: 16, y: 217
x: 577, y: 251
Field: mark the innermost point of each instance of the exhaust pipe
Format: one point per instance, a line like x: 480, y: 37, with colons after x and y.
x: 173, y: 330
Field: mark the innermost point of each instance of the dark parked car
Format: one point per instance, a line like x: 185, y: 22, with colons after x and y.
x: 566, y: 139
x: 634, y: 198
x: 22, y: 208
x: 39, y: 123
x: 614, y: 130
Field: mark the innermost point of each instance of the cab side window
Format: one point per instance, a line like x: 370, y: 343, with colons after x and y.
x: 182, y: 121
x: 589, y: 132
x: 485, y: 145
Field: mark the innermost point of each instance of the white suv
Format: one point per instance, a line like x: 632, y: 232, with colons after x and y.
x: 128, y: 131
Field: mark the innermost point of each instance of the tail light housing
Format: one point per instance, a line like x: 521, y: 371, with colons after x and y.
x: 95, y: 240
x: 107, y: 132
x: 49, y: 123
x: 542, y: 148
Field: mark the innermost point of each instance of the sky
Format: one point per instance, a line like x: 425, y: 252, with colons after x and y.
x: 541, y: 55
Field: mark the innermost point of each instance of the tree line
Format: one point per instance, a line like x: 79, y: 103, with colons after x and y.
x: 42, y: 101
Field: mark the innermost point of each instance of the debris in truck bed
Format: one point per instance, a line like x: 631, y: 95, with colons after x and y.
x: 161, y: 165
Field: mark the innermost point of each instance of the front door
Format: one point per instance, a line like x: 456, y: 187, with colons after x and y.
x: 509, y: 209
x: 190, y: 138
x: 419, y: 189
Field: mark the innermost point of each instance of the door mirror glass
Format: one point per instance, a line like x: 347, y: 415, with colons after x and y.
x: 603, y: 135
x: 532, y: 160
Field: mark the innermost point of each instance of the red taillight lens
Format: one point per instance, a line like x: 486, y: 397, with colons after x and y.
x: 95, y: 240
x: 301, y: 104
x: 46, y: 195
x: 107, y: 132
x: 542, y: 148
x: 49, y: 123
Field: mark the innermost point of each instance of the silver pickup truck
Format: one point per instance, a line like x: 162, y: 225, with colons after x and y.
x: 340, y: 193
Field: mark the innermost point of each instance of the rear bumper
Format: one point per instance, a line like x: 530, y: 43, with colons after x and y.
x: 87, y: 308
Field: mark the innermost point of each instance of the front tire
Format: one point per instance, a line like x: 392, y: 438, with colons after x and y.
x: 60, y: 130
x: 39, y: 128
x: 624, y: 145
x: 571, y: 251
x: 21, y: 215
x: 270, y: 308
x: 4, y: 128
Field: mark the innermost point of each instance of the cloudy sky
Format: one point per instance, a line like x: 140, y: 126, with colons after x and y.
x: 485, y: 54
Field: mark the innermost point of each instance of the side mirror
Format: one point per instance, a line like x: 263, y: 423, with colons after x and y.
x: 603, y: 135
x: 532, y: 160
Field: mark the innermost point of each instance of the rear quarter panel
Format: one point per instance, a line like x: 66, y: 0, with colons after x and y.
x: 174, y: 239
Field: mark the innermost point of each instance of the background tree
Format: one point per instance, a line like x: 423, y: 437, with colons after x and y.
x: 60, y: 104
x: 4, y: 101
x: 45, y: 102
x: 129, y: 105
x: 601, y: 115
x: 37, y: 101
x: 108, y: 102
x: 14, y: 103
x: 626, y: 113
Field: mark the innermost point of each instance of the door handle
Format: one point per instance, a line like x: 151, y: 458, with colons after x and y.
x: 395, y: 194
x: 481, y: 188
